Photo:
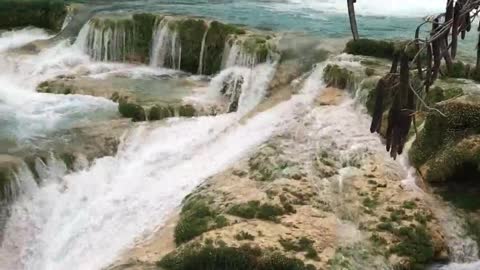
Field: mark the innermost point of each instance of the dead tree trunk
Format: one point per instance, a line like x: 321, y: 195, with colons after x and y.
x: 353, y: 20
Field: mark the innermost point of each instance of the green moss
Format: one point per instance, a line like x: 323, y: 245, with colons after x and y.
x: 196, y: 218
x: 439, y: 140
x: 409, y: 205
x: 242, y: 258
x: 69, y: 160
x: 159, y: 112
x: 48, y: 14
x: 416, y: 245
x: 339, y: 77
x: 369, y: 47
x: 191, y: 33
x: 144, y: 24
x: 385, y: 226
x: 302, y: 244
x: 186, y: 110
x: 439, y: 94
x: 244, y: 236
x: 131, y: 110
x: 7, y: 180
x: 370, y: 203
x: 254, y: 209
x: 245, y: 210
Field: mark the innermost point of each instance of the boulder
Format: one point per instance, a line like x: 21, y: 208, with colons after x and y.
x: 132, y: 110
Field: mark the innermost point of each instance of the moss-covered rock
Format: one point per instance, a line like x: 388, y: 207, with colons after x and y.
x: 196, y: 218
x: 370, y: 47
x: 218, y: 34
x: 48, y: 14
x: 462, y: 118
x: 336, y: 76
x: 191, y: 33
x: 186, y: 110
x: 233, y: 258
x: 132, y: 110
x: 439, y: 94
x: 9, y: 167
x: 416, y: 245
x: 159, y: 112
x: 447, y: 151
x: 144, y: 24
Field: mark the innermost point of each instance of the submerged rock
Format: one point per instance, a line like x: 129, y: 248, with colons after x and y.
x: 48, y: 14
x: 132, y: 110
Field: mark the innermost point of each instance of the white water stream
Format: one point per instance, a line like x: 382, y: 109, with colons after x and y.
x: 85, y: 219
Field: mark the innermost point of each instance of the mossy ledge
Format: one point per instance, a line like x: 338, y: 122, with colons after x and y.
x: 47, y: 14
x: 245, y: 257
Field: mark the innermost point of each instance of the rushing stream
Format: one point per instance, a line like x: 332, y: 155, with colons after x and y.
x: 85, y: 219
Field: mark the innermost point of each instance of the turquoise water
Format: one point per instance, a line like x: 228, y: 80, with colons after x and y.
x: 278, y: 16
x: 381, y: 19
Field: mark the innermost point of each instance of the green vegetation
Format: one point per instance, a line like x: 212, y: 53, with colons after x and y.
x: 243, y: 258
x: 254, y: 209
x: 415, y: 244
x: 444, y: 145
x: 244, y: 236
x: 144, y: 24
x: 438, y: 94
x: 191, y: 33
x: 132, y: 110
x: 48, y: 14
x: 302, y: 244
x: 186, y: 110
x: 369, y: 47
x: 370, y: 203
x: 339, y: 77
x: 217, y: 35
x: 159, y: 112
x: 196, y: 218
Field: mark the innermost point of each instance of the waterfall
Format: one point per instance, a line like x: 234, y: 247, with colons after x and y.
x: 108, y: 40
x: 235, y: 54
x: 98, y: 212
x: 202, y: 52
x: 166, y: 47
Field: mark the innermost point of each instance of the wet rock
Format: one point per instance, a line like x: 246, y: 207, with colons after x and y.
x: 186, y: 110
x: 9, y: 166
x: 132, y: 110
x: 370, y: 47
x: 447, y: 151
x: 338, y: 77
x: 159, y: 112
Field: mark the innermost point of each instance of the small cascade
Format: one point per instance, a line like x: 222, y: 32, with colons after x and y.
x: 108, y: 39
x: 236, y: 55
x: 202, y: 52
x: 166, y: 48
x: 246, y: 52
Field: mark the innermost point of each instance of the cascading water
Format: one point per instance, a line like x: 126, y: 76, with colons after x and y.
x: 235, y: 54
x: 108, y: 39
x: 166, y: 48
x: 202, y: 52
x: 98, y: 212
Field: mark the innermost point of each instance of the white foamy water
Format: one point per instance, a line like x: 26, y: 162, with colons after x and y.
x: 400, y: 8
x: 98, y: 212
x: 15, y: 39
